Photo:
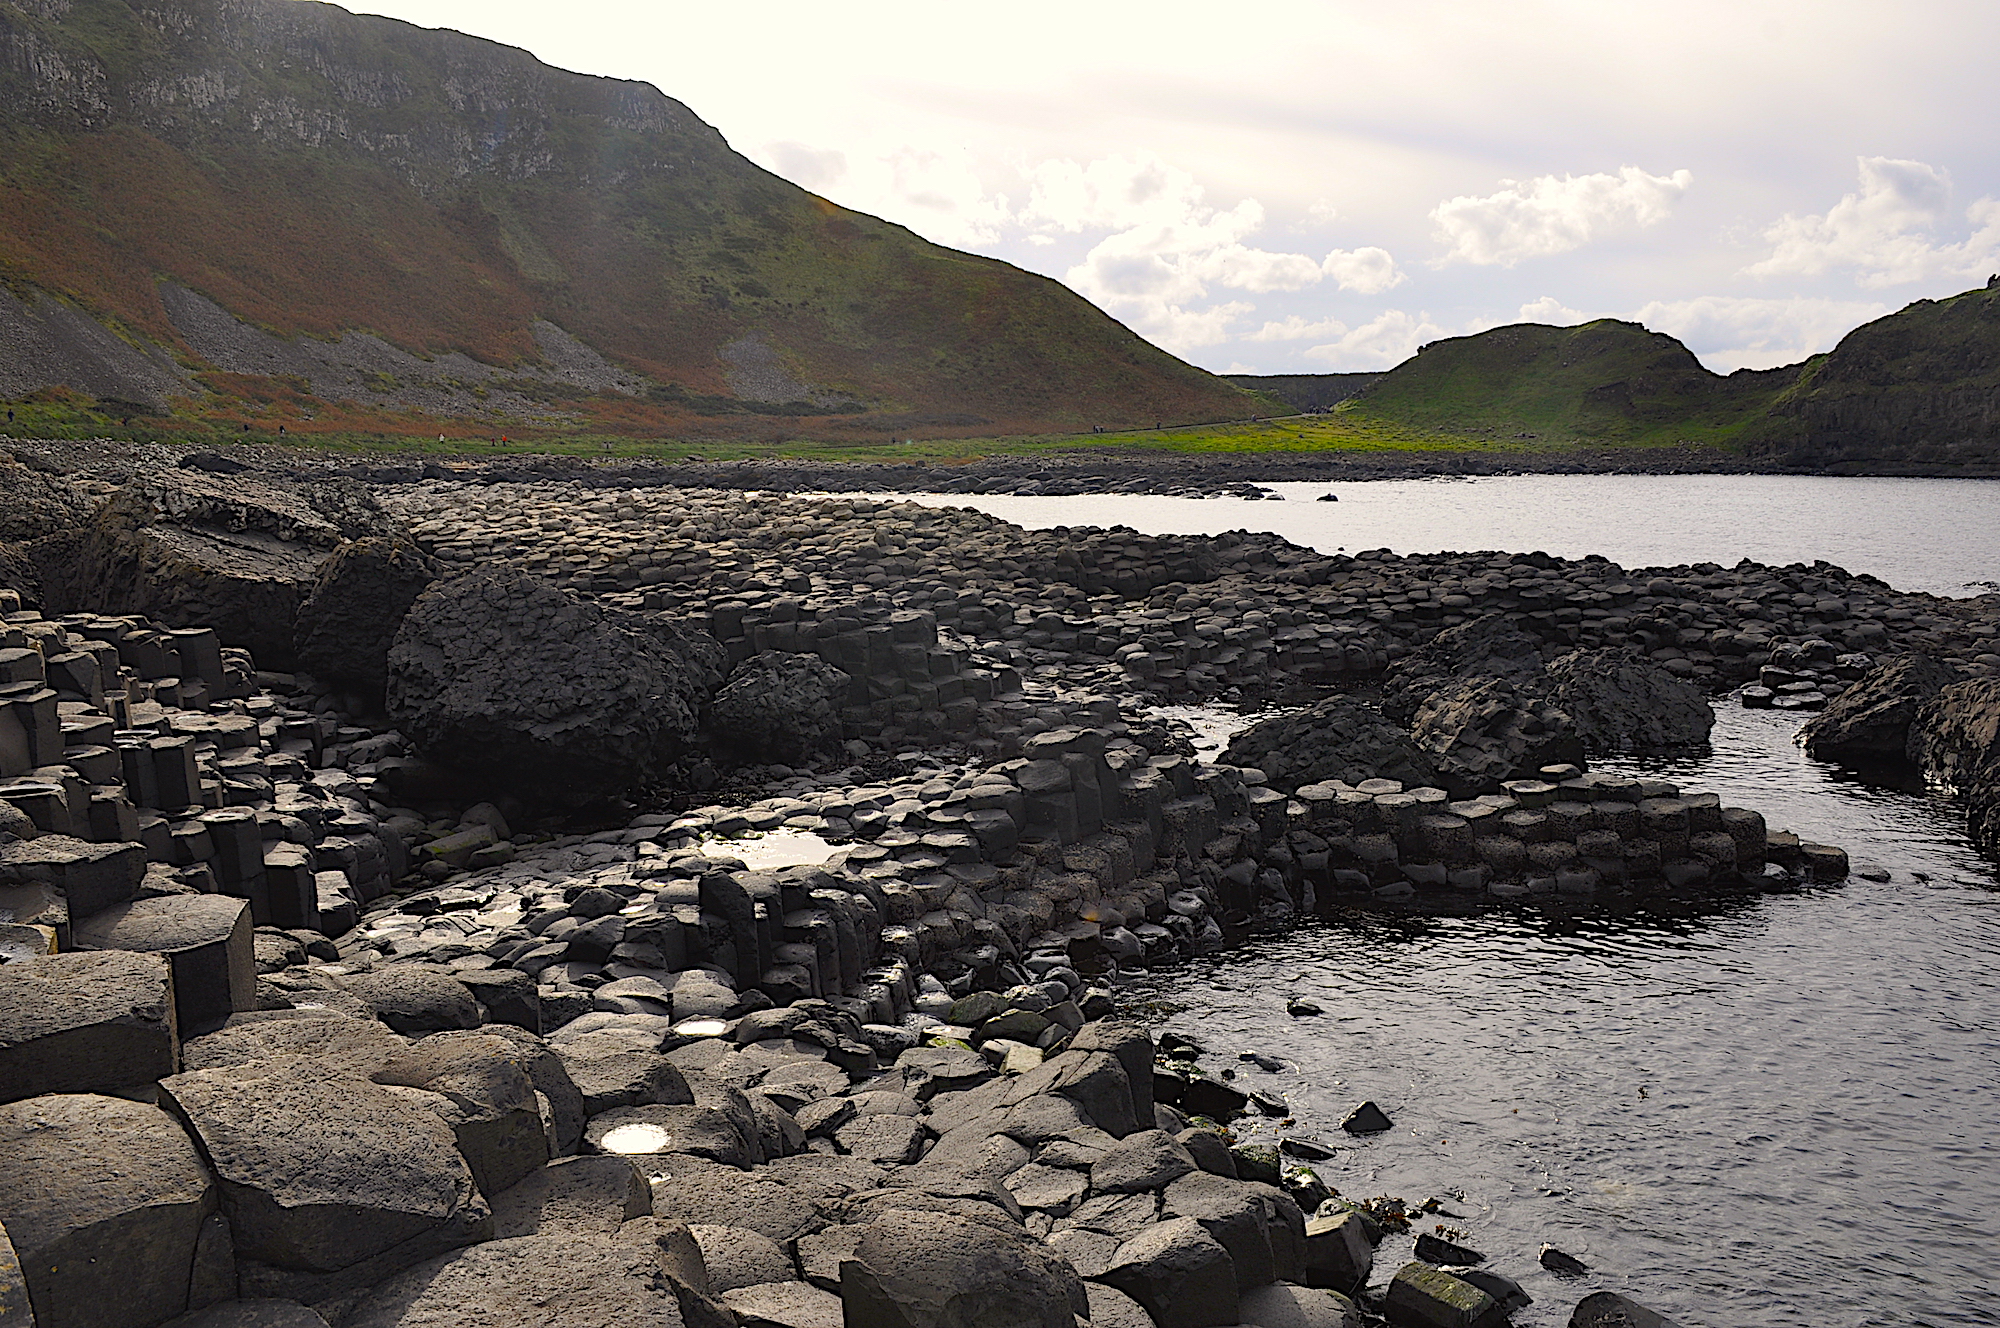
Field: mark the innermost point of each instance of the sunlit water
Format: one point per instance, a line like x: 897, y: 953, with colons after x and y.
x: 1776, y: 1110
x: 1917, y: 534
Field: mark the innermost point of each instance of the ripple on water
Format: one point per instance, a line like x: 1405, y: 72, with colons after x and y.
x: 1774, y: 1110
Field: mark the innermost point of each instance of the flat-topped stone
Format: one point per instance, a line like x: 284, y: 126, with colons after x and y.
x: 208, y: 940
x: 85, y: 1022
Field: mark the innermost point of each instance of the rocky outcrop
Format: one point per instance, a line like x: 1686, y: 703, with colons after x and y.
x: 350, y: 615
x: 1338, y: 738
x: 779, y: 706
x: 34, y: 503
x: 1955, y: 741
x: 510, y: 680
x: 1619, y: 701
x: 236, y: 553
x: 1479, y: 732
x: 1870, y: 721
x: 1489, y: 646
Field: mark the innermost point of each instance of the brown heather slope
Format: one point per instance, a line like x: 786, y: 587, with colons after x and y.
x: 317, y: 173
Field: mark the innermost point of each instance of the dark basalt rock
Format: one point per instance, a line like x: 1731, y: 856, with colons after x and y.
x: 1481, y: 731
x: 1608, y: 1309
x: 1620, y: 701
x: 1490, y: 646
x: 350, y: 615
x: 1955, y: 741
x: 1336, y: 739
x: 778, y: 706
x: 507, y: 678
x: 1871, y: 720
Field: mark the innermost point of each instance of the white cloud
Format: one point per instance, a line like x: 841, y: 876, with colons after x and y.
x: 1323, y: 211
x: 807, y: 166
x: 1295, y: 328
x: 1167, y: 247
x: 1550, y: 310
x: 1885, y: 231
x: 939, y: 195
x: 1729, y: 332
x: 1111, y: 193
x: 1388, y: 340
x: 1368, y: 271
x: 1552, y: 214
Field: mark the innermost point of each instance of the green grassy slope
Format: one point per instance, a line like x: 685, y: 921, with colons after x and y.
x: 1920, y: 385
x: 1604, y: 382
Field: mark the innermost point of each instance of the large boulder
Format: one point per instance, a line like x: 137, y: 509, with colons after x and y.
x: 103, y: 1201
x: 85, y: 1023
x: 937, y: 1270
x: 1870, y: 721
x: 621, y: 1067
x: 206, y: 939
x: 330, y: 1182
x: 1338, y: 738
x: 1490, y: 646
x: 512, y: 680
x: 1620, y: 701
x: 1281, y: 1305
x: 416, y: 998
x: 778, y: 706
x: 1260, y: 1226
x: 1956, y: 737
x: 1482, y: 731
x: 595, y: 1195
x: 337, y: 1041
x: 350, y: 615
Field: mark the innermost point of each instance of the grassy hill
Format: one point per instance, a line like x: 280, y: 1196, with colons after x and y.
x: 1603, y: 382
x: 1919, y: 388
x: 320, y: 175
x: 1921, y: 385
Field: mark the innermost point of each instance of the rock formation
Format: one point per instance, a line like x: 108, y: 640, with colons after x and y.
x: 497, y: 674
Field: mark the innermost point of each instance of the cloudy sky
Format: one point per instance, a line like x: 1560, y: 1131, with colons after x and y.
x: 1280, y: 186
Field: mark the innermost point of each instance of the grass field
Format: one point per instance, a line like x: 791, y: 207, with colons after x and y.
x: 1349, y: 429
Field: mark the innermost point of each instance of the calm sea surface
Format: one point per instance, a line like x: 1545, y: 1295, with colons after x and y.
x: 1782, y: 1110
x: 1940, y: 536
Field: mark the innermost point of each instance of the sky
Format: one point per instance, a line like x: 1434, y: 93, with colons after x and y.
x: 1278, y: 186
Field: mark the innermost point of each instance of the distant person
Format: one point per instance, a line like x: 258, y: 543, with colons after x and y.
x: 281, y: 431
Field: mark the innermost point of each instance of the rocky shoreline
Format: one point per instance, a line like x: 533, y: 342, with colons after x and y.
x: 471, y: 899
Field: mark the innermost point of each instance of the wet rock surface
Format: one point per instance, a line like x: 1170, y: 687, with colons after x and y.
x: 416, y: 991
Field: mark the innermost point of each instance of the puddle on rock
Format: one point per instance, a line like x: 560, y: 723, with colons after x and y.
x: 635, y: 1139
x: 772, y: 849
x: 1213, y: 725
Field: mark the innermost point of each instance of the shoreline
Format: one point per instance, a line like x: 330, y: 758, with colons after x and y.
x: 1078, y: 472
x: 1010, y: 827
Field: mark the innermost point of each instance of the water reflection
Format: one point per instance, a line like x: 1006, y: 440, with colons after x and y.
x: 1751, y: 1110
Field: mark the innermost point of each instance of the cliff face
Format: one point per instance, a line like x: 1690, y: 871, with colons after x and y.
x: 1921, y: 386
x: 288, y: 169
